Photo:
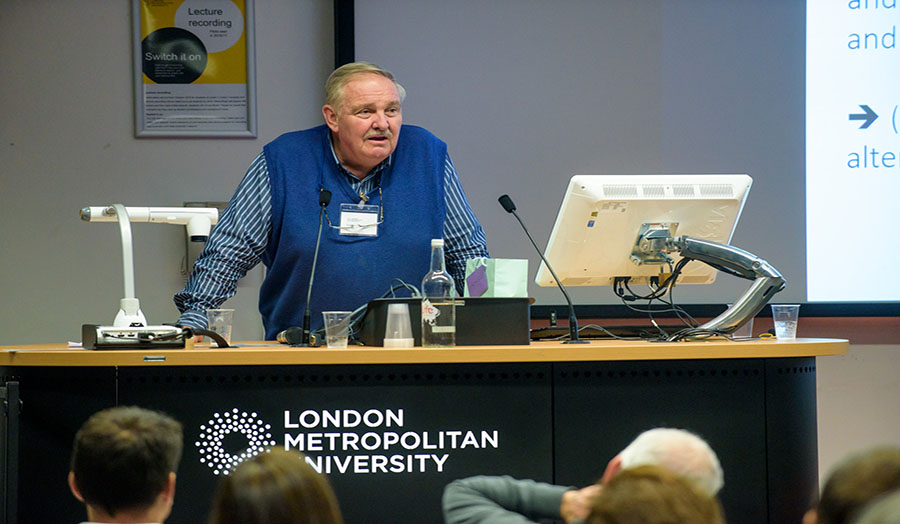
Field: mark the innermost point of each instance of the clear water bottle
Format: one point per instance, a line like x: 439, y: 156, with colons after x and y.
x: 438, y: 302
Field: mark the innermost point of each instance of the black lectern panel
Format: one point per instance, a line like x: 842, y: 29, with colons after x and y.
x: 600, y: 407
x: 790, y: 437
x: 55, y: 403
x: 389, y: 438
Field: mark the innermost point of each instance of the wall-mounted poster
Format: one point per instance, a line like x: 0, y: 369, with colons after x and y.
x: 194, y: 69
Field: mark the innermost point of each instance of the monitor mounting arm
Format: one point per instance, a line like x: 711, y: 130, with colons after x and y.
x: 654, y: 242
x: 766, y: 279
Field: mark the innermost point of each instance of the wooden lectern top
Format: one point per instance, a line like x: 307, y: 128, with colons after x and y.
x: 271, y: 353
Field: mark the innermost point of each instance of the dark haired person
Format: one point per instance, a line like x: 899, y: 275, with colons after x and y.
x: 275, y: 487
x: 123, y: 465
x: 857, y: 480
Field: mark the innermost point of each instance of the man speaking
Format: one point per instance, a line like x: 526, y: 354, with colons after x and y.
x: 392, y: 192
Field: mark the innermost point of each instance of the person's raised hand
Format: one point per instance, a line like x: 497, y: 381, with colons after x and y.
x: 577, y: 503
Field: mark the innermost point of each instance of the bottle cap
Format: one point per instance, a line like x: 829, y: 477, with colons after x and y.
x: 437, y: 242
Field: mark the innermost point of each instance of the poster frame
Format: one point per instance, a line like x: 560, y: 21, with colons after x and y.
x: 140, y: 120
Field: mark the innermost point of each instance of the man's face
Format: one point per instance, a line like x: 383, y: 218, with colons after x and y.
x: 367, y: 124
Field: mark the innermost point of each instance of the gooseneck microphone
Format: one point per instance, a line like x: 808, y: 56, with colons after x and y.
x: 510, y: 207
x: 324, y: 199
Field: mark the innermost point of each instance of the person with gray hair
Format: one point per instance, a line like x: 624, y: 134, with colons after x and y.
x: 676, y: 450
x: 385, y: 194
x: 338, y: 79
x: 486, y: 499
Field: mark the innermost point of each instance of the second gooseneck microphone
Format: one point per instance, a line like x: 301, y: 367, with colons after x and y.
x: 510, y: 207
x: 324, y: 199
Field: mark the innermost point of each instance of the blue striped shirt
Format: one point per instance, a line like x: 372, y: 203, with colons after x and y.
x: 242, y: 235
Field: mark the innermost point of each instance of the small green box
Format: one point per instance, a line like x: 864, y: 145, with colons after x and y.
x: 497, y: 277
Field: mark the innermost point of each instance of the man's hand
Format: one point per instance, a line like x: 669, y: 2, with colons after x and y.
x: 576, y: 504
x: 196, y: 338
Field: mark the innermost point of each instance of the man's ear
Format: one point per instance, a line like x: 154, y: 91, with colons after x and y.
x: 169, y: 490
x: 612, y: 469
x: 331, y: 117
x: 811, y: 517
x: 74, y: 487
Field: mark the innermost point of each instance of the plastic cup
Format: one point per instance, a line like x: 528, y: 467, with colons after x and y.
x: 220, y: 322
x: 337, y: 328
x: 398, y: 329
x: 785, y: 318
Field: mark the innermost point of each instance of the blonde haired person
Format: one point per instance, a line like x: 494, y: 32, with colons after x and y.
x: 653, y: 495
x: 275, y: 487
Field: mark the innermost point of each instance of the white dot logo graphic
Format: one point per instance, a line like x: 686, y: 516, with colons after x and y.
x: 235, y: 422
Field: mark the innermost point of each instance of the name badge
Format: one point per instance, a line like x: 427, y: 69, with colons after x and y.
x: 359, y: 220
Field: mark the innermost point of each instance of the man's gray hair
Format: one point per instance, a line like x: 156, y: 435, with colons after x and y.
x: 679, y: 451
x: 334, y: 86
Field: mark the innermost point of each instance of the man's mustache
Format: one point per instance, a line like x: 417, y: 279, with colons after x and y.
x: 387, y: 133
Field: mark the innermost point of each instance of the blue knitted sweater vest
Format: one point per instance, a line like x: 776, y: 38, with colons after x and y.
x: 351, y: 270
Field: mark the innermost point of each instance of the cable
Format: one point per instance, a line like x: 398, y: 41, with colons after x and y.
x: 610, y: 333
x: 359, y: 313
x: 413, y: 290
x: 681, y: 313
x: 695, y: 333
x: 662, y: 292
x: 621, y: 285
x: 662, y: 332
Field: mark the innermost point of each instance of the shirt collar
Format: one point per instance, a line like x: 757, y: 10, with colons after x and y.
x: 374, y: 172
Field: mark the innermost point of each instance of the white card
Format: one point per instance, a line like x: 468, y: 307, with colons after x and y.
x: 361, y: 221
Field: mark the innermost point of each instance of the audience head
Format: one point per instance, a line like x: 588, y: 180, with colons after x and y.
x: 676, y: 450
x: 124, y: 461
x: 854, y: 482
x: 275, y: 487
x: 883, y: 510
x: 653, y: 495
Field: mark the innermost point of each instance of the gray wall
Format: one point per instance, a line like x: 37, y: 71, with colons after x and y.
x: 67, y: 141
x: 857, y: 400
x: 529, y: 93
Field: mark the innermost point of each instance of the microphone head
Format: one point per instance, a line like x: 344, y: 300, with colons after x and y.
x: 291, y: 336
x: 324, y: 197
x: 507, y: 203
